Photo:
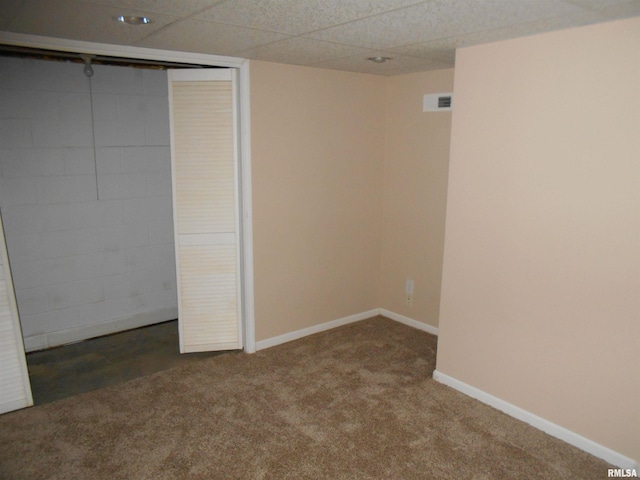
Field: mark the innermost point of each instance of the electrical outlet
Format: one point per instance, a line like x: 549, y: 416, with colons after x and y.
x: 408, y: 292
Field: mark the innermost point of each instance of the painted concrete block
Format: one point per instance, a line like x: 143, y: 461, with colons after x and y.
x: 160, y: 231
x: 156, y: 132
x: 105, y: 106
x: 75, y: 106
x: 64, y: 295
x: 86, y: 244
x: 119, y: 237
x: 103, y: 213
x: 68, y: 243
x: 147, y: 210
x: 18, y: 191
x: 118, y: 80
x: 16, y: 133
x: 108, y: 160
x: 66, y: 189
x: 32, y: 162
x: 23, y: 248
x: 139, y: 159
x: 154, y: 82
x: 30, y: 105
x: 119, y: 133
x: 79, y: 161
x: 33, y: 300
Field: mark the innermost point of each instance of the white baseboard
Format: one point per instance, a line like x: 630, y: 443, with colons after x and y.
x: 409, y: 321
x: 84, y: 332
x: 77, y: 334
x: 540, y: 423
x: 288, y: 337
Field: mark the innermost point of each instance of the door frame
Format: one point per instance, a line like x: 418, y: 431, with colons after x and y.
x: 244, y: 141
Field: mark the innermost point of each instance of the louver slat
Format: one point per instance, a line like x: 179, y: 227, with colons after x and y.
x: 208, y: 278
x: 204, y: 173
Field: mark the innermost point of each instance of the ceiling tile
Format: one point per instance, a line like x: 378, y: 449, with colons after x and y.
x: 296, y: 16
x: 441, y: 19
x: 80, y: 21
x: 180, y: 8
x: 622, y: 10
x: 209, y: 37
x: 599, y: 4
x: 444, y: 49
x: 301, y: 51
x: 398, y: 64
x: 338, y: 34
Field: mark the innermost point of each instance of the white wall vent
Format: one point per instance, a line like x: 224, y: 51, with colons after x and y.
x: 437, y: 102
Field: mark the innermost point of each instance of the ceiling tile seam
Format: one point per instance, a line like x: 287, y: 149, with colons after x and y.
x: 585, y: 7
x: 604, y: 12
x: 154, y: 32
x: 600, y: 18
x: 475, y: 32
x: 387, y: 49
x: 365, y: 17
x: 428, y: 55
x: 177, y: 18
x: 369, y: 64
x: 369, y: 52
x: 292, y: 37
x: 152, y: 11
x: 390, y: 47
x: 340, y: 57
x: 308, y: 32
x: 182, y: 19
x: 394, y: 56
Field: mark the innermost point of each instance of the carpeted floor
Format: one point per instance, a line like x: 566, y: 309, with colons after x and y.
x: 356, y: 402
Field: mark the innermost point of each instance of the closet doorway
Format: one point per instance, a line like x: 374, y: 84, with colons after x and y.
x: 110, y: 185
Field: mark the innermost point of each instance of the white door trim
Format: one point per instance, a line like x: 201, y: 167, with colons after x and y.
x: 242, y: 65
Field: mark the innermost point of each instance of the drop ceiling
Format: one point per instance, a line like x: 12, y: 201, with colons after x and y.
x: 334, y: 34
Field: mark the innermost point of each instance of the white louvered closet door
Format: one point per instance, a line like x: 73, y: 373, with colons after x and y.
x: 15, y: 390
x: 205, y: 208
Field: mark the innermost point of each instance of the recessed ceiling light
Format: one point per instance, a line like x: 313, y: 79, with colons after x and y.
x: 379, y: 59
x: 133, y: 20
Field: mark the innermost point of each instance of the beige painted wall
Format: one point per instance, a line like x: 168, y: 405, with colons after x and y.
x: 327, y: 146
x: 541, y: 283
x: 317, y: 162
x: 415, y: 189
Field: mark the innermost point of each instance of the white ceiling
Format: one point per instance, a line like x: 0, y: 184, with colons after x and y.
x: 335, y: 34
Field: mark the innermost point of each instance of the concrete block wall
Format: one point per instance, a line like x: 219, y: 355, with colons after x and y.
x: 89, y: 231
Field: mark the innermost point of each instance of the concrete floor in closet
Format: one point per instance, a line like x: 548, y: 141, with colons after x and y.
x: 81, y: 367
